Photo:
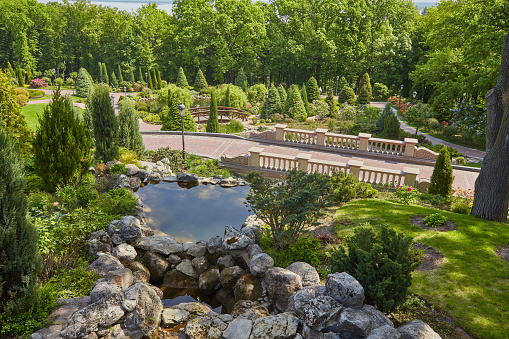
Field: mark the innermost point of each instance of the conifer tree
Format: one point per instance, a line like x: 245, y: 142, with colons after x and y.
x: 30, y: 76
x: 333, y: 108
x: 20, y: 260
x: 150, y: 84
x: 83, y: 83
x: 87, y: 115
x: 105, y: 124
x: 346, y: 94
x: 131, y: 75
x: 363, y: 97
x: 391, y: 127
x: 241, y: 78
x: 120, y: 77
x: 21, y: 79
x: 442, y: 178
x: 129, y: 128
x: 304, y: 96
x: 227, y: 98
x: 100, y: 75
x: 61, y: 144
x: 365, y: 82
x: 213, y: 123
x: 154, y: 79
x: 171, y: 117
x: 105, y: 74
x: 274, y: 102
x: 288, y: 95
x: 282, y: 94
x: 313, y: 91
x: 342, y: 83
x: 142, y: 80
x: 11, y: 70
x: 295, y: 104
x: 114, y: 81
x: 11, y: 117
x: 181, y: 79
x: 159, y: 81
x: 200, y: 81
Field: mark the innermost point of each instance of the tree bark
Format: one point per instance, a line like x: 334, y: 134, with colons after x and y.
x: 491, y: 198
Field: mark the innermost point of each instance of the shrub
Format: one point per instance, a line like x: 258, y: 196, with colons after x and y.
x: 127, y: 157
x: 118, y: 169
x: 104, y: 184
x: 83, y: 83
x: 382, y: 261
x: 40, y: 203
x: 35, y: 93
x: 363, y: 97
x: 240, y: 79
x: 236, y: 97
x: 67, y: 197
x: 255, y: 120
x: 312, y: 90
x: 212, y: 122
x: 181, y: 79
x: 346, y: 94
x: 86, y: 194
x: 319, y: 109
x: 256, y: 93
x: 117, y: 201
x: 406, y: 194
x: 460, y: 207
x: 344, y: 188
x: 434, y: 199
x: 380, y: 92
x: 282, y: 94
x: 200, y: 82
x: 129, y: 128
x: 38, y: 83
x: 442, y: 178
x: 170, y: 114
x: 434, y: 220
x: 461, y: 161
x: 391, y: 127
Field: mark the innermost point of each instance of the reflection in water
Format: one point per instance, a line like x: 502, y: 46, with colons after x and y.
x: 192, y: 214
x: 175, y: 296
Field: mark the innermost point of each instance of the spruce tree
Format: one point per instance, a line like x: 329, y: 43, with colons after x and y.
x: 120, y: 77
x: 83, y: 83
x: 11, y: 117
x: 105, y: 124
x: 30, y: 76
x: 391, y: 127
x: 62, y: 143
x: 142, y: 80
x: 20, y: 260
x: 171, y: 117
x: 312, y: 90
x: 296, y: 107
x: 385, y: 113
x: 114, y: 81
x: 21, y: 79
x: 274, y: 102
x: 282, y: 94
x: 333, y: 108
x: 159, y: 81
x: 105, y: 74
x: 241, y: 78
x: 213, y: 123
x: 288, y: 95
x: 304, y: 96
x: 363, y: 97
x: 346, y: 95
x: 100, y: 75
x: 442, y: 178
x: 129, y: 128
x: 181, y: 79
x: 365, y: 82
x: 150, y: 84
x: 200, y: 81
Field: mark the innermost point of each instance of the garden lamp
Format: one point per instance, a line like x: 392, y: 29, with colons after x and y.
x: 182, y: 112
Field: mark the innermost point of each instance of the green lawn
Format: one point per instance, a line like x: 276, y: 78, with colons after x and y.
x: 32, y: 111
x: 45, y: 97
x: 471, y: 285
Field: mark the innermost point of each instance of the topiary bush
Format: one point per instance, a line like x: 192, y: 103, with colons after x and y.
x: 382, y: 261
x: 380, y: 92
x: 442, y: 178
x: 200, y: 83
x: 312, y: 89
x: 181, y: 79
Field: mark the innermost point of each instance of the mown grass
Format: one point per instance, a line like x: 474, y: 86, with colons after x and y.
x: 471, y: 285
x: 32, y: 111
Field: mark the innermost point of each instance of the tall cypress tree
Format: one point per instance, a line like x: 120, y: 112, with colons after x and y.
x: 83, y: 83
x: 131, y: 75
x: 20, y: 260
x: 30, y: 76
x: 213, y: 123
x: 227, y: 98
x: 61, y: 144
x: 159, y: 81
x: 155, y: 82
x: 114, y: 81
x: 120, y: 77
x: 150, y: 84
x: 304, y: 96
x: 100, y: 75
x: 181, y: 79
x: 200, y: 82
x: 21, y: 79
x: 313, y: 91
x: 282, y: 94
x: 142, y: 80
x: 11, y: 70
x: 105, y: 73
x: 105, y: 124
x: 129, y: 131
x: 241, y: 78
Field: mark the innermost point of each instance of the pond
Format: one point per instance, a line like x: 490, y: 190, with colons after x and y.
x: 192, y: 214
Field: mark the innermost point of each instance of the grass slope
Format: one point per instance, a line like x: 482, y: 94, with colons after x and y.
x: 471, y: 284
x: 31, y: 112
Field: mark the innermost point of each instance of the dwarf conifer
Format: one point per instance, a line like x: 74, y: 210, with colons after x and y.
x: 442, y: 178
x: 105, y: 124
x: 181, y: 79
x: 200, y: 82
x: 213, y: 123
x: 129, y: 128
x: 312, y: 90
x: 83, y: 83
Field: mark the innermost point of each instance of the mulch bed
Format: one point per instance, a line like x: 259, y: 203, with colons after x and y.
x: 432, y: 258
x: 448, y: 226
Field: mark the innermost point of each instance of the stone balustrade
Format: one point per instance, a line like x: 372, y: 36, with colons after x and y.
x: 363, y: 142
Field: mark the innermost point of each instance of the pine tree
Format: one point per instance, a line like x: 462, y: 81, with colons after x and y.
x: 282, y: 94
x: 312, y: 90
x: 131, y: 75
x: 105, y: 74
x: 21, y: 79
x: 442, y: 178
x: 105, y: 124
x: 304, y: 96
x: 365, y: 82
x: 20, y: 260
x: 142, y: 80
x: 129, y: 131
x: 213, y: 123
x: 171, y: 117
x: 391, y: 127
x: 83, y: 83
x: 11, y: 117
x: 333, y: 108
x: 30, y: 76
x: 61, y: 144
x: 120, y: 77
x: 274, y: 102
x: 159, y: 81
x: 100, y: 75
x: 181, y: 79
x: 150, y: 84
x: 241, y: 78
x: 200, y: 81
x: 114, y: 81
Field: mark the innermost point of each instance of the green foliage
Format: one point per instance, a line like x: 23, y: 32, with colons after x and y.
x: 313, y: 91
x: 460, y: 207
x: 117, y: 201
x: 83, y: 83
x: 20, y: 262
x: 288, y: 206
x: 364, y: 97
x: 382, y: 261
x: 333, y: 108
x: 213, y: 123
x: 381, y: 118
x: 114, y: 81
x: 106, y: 78
x: 434, y: 220
x: 442, y: 178
x: 346, y: 94
x: 241, y: 78
x: 120, y: 77
x: 461, y: 161
x: 181, y: 79
x: 131, y: 75
x: 105, y: 124
x: 391, y: 127
x: 418, y: 115
x: 40, y: 202
x: 21, y: 79
x: 67, y: 197
x: 85, y: 191
x: 304, y: 249
x: 294, y: 105
x: 62, y: 143
x: 129, y: 131
x: 344, y: 188
x: 200, y: 81
x: 73, y: 283
x: 406, y: 194
x: 256, y: 93
x: 304, y: 96
x: 282, y: 94
x: 118, y: 169
x: 29, y: 74
x: 150, y: 84
x: 365, y: 82
x: 159, y: 81
x: 170, y: 114
x: 380, y: 92
x: 274, y: 102
x: 434, y: 199
x: 231, y: 96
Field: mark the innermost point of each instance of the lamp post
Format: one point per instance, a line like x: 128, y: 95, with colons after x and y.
x: 414, y: 94
x: 337, y: 80
x: 182, y: 112
x: 55, y: 77
x: 401, y: 91
x: 146, y: 78
x: 251, y: 79
x: 125, y: 91
x: 266, y: 106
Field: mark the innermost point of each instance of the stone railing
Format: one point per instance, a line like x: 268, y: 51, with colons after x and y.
x: 276, y: 164
x: 362, y: 142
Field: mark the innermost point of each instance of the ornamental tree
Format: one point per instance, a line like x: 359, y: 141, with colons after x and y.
x: 120, y: 77
x: 170, y: 114
x: 181, y: 79
x: 273, y: 102
x: 105, y: 124
x: 129, y: 135
x: 150, y: 84
x: 313, y: 91
x: 418, y: 115
x: 282, y: 94
x: 200, y: 82
x: 83, y: 83
x: 213, y: 123
x: 241, y: 78
x: 304, y: 96
x: 442, y: 178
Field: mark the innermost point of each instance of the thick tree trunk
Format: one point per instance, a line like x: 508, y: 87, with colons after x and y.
x: 491, y: 199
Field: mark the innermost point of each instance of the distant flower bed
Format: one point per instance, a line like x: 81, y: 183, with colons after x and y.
x: 38, y: 83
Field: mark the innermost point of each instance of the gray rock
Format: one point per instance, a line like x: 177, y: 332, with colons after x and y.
x: 173, y: 316
x: 155, y: 288
x: 354, y: 323
x: 248, y: 287
x: 99, y: 242
x: 123, y: 277
x: 299, y: 300
x: 117, y: 332
x: 128, y: 305
x: 110, y: 164
x: 146, y: 316
x: 205, y: 327
x: 116, y: 239
x: 134, y: 183
x: 228, y: 182
x: 140, y: 272
x: 379, y: 319
x: 129, y: 229
x: 188, y: 177
x: 143, y: 174
x: 37, y: 335
x: 225, y: 262
x: 125, y: 253
x: 194, y: 308
x: 214, y: 244
x: 249, y: 310
x: 235, y: 240
x: 260, y: 263
x: 229, y: 277
x: 239, y: 328
x: 132, y: 169
x: 240, y: 258
x: 321, y: 312
x: 176, y: 279
x: 345, y: 289
x: 105, y: 263
x: 253, y: 250
x: 280, y: 326
x: 308, y: 273
x: 114, y: 227
x: 92, y: 335
x: 123, y: 181
x: 384, y: 332
x: 156, y: 264
x: 174, y: 259
x: 198, y: 249
x: 251, y: 231
x: 159, y: 243
x: 201, y: 264
x: 226, y: 299
x: 170, y: 178
x: 155, y: 177
x: 187, y: 245
x: 209, y: 282
x: 226, y: 318
x: 417, y: 329
x: 281, y: 284
x: 186, y: 267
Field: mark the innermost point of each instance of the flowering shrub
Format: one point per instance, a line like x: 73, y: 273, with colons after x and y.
x: 38, y: 83
x: 347, y: 112
x: 434, y: 220
x: 277, y: 117
x: 319, y: 109
x: 469, y: 117
x: 406, y: 194
x: 463, y: 196
x: 400, y: 104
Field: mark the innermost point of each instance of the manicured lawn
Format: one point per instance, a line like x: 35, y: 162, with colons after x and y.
x: 474, y: 164
x: 45, y: 97
x: 471, y: 285
x: 31, y: 111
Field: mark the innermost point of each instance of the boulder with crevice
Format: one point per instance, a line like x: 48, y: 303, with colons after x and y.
x: 281, y: 284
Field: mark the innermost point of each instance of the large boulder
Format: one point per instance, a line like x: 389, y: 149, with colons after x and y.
x: 321, y: 312
x: 378, y: 318
x: 384, y: 332
x: 238, y: 328
x: 299, y: 300
x: 201, y: 264
x: 99, y: 242
x: 103, y: 289
x: 176, y: 279
x: 205, y: 327
x: 197, y: 250
x: 279, y: 326
x: 173, y: 316
x: 345, y: 289
x: 281, y: 284
x: 248, y: 287
x: 354, y: 323
x: 155, y: 177
x: 417, y: 329
x: 187, y: 267
x: 253, y: 250
x: 260, y: 263
x: 188, y: 177
x: 235, y: 240
x: 307, y: 273
x: 209, y: 282
x: 125, y: 253
x: 159, y: 243
x: 229, y: 277
x: 134, y: 183
x: 123, y: 277
x: 156, y: 264
x: 144, y: 319
x: 225, y: 262
x: 139, y: 271
x: 214, y: 244
x: 249, y: 310
x: 105, y: 263
x: 132, y: 169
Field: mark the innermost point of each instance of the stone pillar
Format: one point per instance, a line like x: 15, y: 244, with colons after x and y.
x: 254, y: 156
x: 410, y: 147
x: 411, y: 174
x: 363, y: 144
x: 355, y: 167
x: 280, y: 132
x: 320, y: 136
x: 303, y: 159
